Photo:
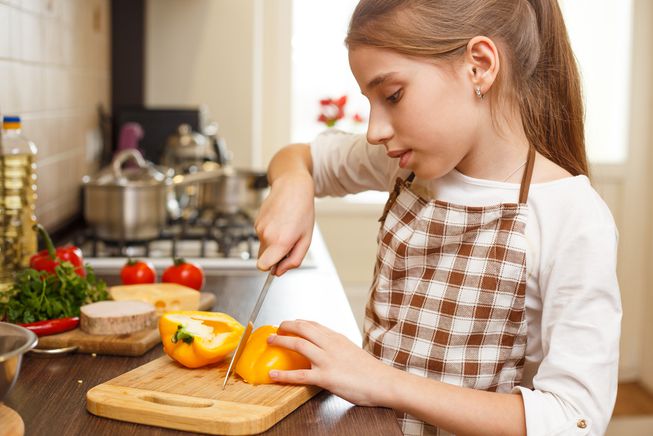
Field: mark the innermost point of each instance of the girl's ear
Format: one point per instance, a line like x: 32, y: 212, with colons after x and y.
x: 482, y: 63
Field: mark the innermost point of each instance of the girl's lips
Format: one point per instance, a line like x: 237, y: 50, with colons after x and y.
x: 403, y: 160
x: 403, y: 155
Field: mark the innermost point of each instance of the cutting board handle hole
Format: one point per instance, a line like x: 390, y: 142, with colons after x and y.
x: 191, y: 402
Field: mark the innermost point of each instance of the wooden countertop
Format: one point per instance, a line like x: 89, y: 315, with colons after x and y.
x: 50, y: 394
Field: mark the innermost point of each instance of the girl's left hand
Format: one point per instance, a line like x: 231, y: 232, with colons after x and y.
x: 338, y: 365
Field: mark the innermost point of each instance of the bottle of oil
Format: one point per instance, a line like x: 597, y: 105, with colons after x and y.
x: 17, y: 201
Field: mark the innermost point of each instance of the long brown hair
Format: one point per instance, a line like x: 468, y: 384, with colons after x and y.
x: 542, y: 76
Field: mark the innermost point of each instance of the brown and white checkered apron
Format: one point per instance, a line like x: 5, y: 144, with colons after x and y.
x: 447, y: 300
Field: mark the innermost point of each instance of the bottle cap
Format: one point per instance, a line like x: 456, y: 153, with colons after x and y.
x: 11, y: 122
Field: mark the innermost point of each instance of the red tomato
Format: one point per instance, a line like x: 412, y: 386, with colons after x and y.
x: 184, y: 273
x: 137, y: 271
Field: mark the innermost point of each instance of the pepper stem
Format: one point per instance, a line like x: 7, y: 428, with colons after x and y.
x: 48, y: 241
x: 182, y: 335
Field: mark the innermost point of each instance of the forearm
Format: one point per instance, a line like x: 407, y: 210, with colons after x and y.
x: 291, y: 160
x: 463, y: 411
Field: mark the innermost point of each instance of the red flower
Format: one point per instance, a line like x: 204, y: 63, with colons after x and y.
x: 332, y: 110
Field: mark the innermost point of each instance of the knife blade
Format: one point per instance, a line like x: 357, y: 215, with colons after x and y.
x: 250, y: 324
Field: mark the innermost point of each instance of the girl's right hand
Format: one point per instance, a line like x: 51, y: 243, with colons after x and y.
x: 285, y: 222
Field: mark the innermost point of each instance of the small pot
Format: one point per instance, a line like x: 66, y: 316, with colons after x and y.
x: 233, y: 190
x: 135, y: 203
x: 128, y: 204
x: 186, y: 149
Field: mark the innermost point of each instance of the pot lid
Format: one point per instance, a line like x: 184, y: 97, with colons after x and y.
x: 186, y: 145
x: 119, y: 174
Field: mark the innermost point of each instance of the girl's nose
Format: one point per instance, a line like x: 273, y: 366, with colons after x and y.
x: 379, y: 130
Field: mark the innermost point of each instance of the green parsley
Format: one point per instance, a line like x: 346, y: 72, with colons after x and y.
x: 39, y: 295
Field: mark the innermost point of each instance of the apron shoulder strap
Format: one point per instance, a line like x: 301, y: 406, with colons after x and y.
x: 528, y: 175
x: 394, y: 194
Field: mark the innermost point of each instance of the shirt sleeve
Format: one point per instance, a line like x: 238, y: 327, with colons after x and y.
x: 345, y: 163
x: 575, y: 387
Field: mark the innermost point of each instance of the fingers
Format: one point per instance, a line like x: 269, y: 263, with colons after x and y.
x: 299, y: 376
x: 310, y: 330
x: 271, y: 255
x: 274, y: 247
x: 302, y: 345
x: 295, y: 256
x: 307, y: 349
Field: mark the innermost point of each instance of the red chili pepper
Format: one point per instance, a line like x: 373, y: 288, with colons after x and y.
x: 48, y: 259
x: 52, y: 326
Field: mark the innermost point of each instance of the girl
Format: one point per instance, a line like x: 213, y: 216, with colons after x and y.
x: 494, y: 307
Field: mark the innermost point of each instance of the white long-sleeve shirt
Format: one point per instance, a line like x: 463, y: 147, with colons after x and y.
x: 573, y: 306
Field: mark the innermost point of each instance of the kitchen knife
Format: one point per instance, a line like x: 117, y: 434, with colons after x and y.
x: 250, y: 324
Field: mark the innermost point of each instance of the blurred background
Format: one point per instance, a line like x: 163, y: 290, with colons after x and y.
x: 264, y: 70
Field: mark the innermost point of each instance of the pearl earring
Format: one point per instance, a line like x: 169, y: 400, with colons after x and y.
x: 478, y: 92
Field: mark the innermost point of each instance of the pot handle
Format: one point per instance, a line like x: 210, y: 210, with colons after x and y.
x: 198, y: 177
x: 123, y: 157
x: 261, y: 182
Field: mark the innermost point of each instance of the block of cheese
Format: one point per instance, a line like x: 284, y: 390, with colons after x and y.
x: 164, y: 296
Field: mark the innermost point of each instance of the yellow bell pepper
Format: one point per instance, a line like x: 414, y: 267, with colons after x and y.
x: 259, y: 358
x: 196, y: 339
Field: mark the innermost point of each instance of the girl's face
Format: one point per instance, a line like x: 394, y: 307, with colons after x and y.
x: 425, y: 114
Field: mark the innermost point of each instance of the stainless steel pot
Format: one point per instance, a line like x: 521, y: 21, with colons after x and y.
x: 128, y: 204
x: 186, y: 150
x: 134, y: 204
x: 233, y: 189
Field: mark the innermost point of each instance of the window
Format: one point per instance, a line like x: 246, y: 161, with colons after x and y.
x: 320, y: 67
x: 600, y: 32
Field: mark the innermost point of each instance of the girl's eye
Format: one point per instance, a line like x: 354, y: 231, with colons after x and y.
x: 394, y: 98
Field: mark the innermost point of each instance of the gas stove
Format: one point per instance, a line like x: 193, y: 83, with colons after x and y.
x: 205, y: 235
x: 220, y: 243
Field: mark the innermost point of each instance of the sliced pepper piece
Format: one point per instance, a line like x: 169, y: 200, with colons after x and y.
x: 195, y: 338
x: 259, y: 358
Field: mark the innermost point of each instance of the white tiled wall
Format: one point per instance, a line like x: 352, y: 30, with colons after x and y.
x: 54, y: 71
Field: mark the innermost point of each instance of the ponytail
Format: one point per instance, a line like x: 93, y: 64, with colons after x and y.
x: 551, y: 103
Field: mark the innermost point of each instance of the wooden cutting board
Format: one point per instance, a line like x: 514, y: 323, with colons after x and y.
x: 12, y: 423
x: 165, y: 394
x: 132, y: 344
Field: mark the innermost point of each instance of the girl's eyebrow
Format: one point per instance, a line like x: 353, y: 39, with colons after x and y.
x: 379, y: 80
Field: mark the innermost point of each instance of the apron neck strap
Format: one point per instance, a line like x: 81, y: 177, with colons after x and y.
x: 410, y: 178
x: 525, y: 181
x: 528, y: 175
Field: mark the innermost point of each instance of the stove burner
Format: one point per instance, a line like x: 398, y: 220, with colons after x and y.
x: 207, y: 234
